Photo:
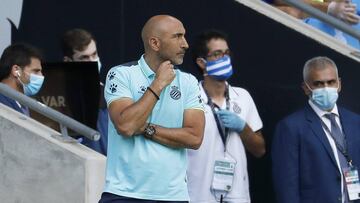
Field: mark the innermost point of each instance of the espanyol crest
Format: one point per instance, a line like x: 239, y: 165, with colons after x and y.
x: 236, y: 108
x: 175, y: 93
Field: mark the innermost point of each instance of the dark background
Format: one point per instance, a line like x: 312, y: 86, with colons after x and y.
x: 267, y: 56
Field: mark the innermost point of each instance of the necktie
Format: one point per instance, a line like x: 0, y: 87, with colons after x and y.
x: 336, y: 131
x: 339, y: 138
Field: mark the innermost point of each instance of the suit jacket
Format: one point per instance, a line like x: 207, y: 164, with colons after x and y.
x: 12, y: 104
x: 304, y: 166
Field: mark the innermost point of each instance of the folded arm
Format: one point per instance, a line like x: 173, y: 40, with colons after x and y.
x: 189, y: 136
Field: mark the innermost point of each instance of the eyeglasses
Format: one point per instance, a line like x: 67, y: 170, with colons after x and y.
x: 218, y: 54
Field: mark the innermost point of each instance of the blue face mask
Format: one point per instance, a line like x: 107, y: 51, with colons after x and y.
x: 325, y: 98
x: 220, y: 69
x: 34, y: 85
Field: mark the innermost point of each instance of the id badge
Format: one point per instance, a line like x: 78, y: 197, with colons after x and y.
x: 224, y: 169
x: 352, y: 182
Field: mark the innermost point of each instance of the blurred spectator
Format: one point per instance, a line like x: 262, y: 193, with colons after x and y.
x: 280, y: 4
x: 20, y: 69
x: 344, y: 10
x: 79, y: 45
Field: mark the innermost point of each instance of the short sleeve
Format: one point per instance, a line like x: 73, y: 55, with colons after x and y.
x: 193, y: 96
x: 117, y: 84
x: 253, y: 117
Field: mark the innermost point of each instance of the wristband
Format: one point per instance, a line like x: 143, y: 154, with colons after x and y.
x: 152, y: 91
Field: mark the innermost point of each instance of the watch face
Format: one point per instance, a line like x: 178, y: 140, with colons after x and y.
x: 149, y: 131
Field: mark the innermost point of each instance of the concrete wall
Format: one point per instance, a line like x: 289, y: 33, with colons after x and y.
x: 36, y: 167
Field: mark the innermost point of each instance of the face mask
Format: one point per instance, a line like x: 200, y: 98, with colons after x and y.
x: 34, y: 85
x: 325, y: 98
x: 220, y: 69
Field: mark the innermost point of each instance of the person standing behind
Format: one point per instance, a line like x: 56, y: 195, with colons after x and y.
x: 316, y: 149
x: 20, y: 69
x: 218, y: 169
x: 156, y: 113
x: 79, y: 45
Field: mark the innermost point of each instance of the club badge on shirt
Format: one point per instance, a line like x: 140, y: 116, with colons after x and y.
x: 175, y: 93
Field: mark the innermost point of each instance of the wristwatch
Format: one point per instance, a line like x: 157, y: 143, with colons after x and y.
x: 149, y: 131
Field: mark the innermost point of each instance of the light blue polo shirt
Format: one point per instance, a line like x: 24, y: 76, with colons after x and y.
x: 138, y: 167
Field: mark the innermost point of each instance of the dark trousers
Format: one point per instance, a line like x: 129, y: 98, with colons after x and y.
x: 112, y: 198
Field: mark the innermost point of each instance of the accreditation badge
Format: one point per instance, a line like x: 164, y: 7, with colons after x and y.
x: 223, y: 175
x: 352, y: 182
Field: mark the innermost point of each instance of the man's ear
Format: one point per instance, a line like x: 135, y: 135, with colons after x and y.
x: 306, y: 89
x: 201, y: 63
x: 339, y: 89
x: 67, y: 59
x: 15, y: 71
x: 154, y: 43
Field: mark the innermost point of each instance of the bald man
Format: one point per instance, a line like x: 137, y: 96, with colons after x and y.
x: 156, y: 113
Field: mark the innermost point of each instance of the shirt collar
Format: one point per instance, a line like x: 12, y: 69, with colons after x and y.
x: 145, y: 67
x: 232, y: 93
x: 320, y: 112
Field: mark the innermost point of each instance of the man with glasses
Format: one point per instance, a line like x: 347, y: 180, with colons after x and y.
x: 217, y: 171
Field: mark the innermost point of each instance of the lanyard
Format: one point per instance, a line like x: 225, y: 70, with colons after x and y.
x: 223, y: 131
x: 343, y: 150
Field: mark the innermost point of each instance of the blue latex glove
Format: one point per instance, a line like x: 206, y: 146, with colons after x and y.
x: 231, y: 120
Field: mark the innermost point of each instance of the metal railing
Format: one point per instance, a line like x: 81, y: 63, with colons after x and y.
x: 336, y: 23
x: 64, y: 121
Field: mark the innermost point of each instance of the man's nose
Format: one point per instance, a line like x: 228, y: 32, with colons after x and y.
x: 185, y: 45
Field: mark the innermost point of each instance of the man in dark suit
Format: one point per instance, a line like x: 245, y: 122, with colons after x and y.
x: 20, y: 69
x: 314, y: 148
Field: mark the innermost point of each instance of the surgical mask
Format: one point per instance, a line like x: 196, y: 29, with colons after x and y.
x: 34, y: 85
x: 325, y: 98
x: 220, y: 69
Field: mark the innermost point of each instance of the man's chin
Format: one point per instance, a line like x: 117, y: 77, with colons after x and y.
x: 177, y: 61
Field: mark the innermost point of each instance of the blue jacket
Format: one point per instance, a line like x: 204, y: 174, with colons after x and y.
x: 304, y: 167
x: 12, y: 104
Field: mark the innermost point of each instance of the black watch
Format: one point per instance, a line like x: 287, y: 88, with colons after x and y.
x: 149, y: 131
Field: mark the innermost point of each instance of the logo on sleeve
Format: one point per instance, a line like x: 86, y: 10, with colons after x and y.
x: 175, y: 93
x: 200, y: 99
x: 113, y: 88
x: 142, y: 89
x: 111, y: 75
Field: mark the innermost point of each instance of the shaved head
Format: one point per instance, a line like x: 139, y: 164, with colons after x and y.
x: 156, y: 26
x: 164, y: 39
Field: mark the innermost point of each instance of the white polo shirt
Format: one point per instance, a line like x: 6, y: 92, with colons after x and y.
x: 201, y: 161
